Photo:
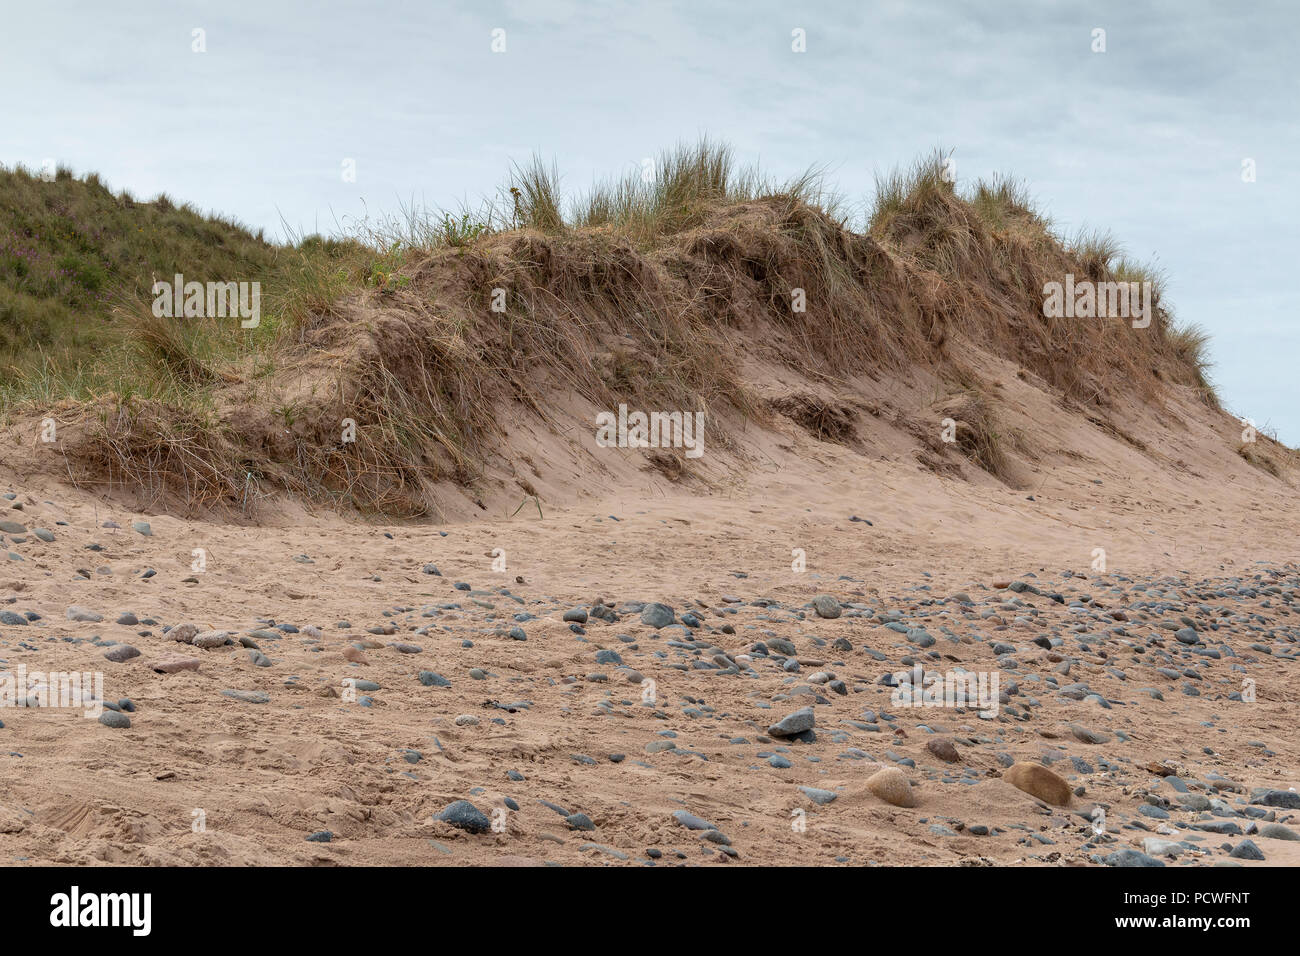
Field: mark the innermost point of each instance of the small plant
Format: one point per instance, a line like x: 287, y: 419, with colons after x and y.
x: 462, y: 231
x: 535, y: 500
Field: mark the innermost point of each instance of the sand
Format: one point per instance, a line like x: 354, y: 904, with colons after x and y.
x: 204, y: 778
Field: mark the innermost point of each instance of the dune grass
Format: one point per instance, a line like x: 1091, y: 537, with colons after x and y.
x: 657, y: 257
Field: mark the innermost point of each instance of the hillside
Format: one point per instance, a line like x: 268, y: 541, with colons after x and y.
x: 410, y: 371
x: 71, y: 252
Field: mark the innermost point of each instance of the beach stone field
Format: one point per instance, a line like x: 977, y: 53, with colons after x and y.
x: 386, y: 695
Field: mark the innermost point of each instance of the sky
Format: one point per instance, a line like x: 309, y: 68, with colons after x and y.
x: 1181, y: 137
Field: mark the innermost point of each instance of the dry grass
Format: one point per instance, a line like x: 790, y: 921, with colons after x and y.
x: 824, y: 420
x: 1260, y: 459
x: 978, y: 434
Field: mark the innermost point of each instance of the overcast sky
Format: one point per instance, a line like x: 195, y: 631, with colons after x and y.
x: 1146, y: 139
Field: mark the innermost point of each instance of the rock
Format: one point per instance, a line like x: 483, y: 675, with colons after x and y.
x: 1286, y: 799
x: 794, y: 724
x: 691, y: 821
x: 127, y: 619
x: 111, y: 718
x: 430, y: 679
x: 402, y: 648
x: 890, y: 784
x: 354, y: 654
x: 826, y: 606
x: 465, y: 816
x: 1037, y: 781
x: 607, y: 850
x: 248, y: 696
x: 819, y: 797
x: 943, y: 748
x: 1125, y: 857
x: 12, y: 619
x: 142, y: 527
x: 210, y: 639
x: 174, y: 663
x: 1225, y: 827
x: 12, y: 527
x: 577, y: 615
x: 183, y: 633
x: 76, y: 613
x: 259, y: 659
x: 657, y: 615
x: 119, y: 653
x: 1276, y: 831
x: 466, y: 720
x: 780, y: 645
x: 1084, y: 735
x: 1246, y: 850
x: 321, y: 836
x: 579, y: 821
x: 1154, y: 846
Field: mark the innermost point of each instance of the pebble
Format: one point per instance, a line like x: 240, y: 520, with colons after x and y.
x: 691, y: 821
x: 1276, y: 831
x: 1037, y: 781
x: 819, y: 797
x: 944, y: 749
x: 890, y: 784
x: 792, y: 725
x: 465, y: 816
x: 657, y: 615
x: 826, y: 606
x: 248, y: 696
x: 1246, y: 850
x: 211, y: 639
x: 173, y: 664
x: 1130, y: 858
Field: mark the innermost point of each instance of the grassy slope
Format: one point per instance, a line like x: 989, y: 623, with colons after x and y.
x: 77, y: 263
x: 70, y: 251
